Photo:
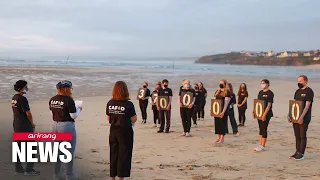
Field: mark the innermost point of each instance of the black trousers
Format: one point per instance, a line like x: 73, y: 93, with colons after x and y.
x: 201, y: 113
x: 121, y: 146
x: 143, y: 107
x: 263, y: 127
x: 220, y: 124
x: 29, y: 167
x: 300, y: 132
x: 186, y: 115
x: 165, y: 118
x: 232, y: 121
x: 155, y: 115
x: 242, y: 115
x: 196, y: 112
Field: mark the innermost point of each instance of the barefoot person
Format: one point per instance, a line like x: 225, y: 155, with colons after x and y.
x: 22, y: 122
x: 120, y: 114
x: 203, y: 96
x: 231, y: 112
x: 64, y: 112
x: 154, y: 106
x: 267, y: 95
x: 143, y: 103
x: 197, y: 105
x: 304, y: 94
x: 220, y: 122
x: 186, y: 112
x: 242, y: 103
x: 165, y: 115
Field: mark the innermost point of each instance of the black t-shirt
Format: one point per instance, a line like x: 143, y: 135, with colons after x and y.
x: 203, y: 95
x: 197, y: 95
x: 268, y: 98
x: 146, y: 96
x: 305, y: 95
x: 165, y: 92
x: 232, y: 100
x: 21, y: 121
x: 221, y: 96
x: 61, y: 107
x: 120, y: 112
x: 241, y: 98
x: 188, y: 90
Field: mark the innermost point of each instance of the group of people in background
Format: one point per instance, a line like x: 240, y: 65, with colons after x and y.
x: 121, y: 114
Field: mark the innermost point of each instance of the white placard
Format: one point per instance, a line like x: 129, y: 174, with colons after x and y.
x: 78, y: 104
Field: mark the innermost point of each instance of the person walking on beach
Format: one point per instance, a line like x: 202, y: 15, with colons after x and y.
x: 203, y: 96
x: 306, y: 95
x: 64, y: 112
x: 165, y: 115
x: 186, y: 112
x: 22, y: 122
x: 120, y: 114
x: 143, y: 103
x: 197, y: 105
x: 154, y: 106
x: 242, y: 103
x: 220, y: 122
x: 267, y: 95
x: 231, y: 112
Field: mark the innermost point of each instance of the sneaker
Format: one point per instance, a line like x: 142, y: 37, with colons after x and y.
x: 145, y: 121
x: 160, y: 131
x: 202, y: 119
x: 183, y: 134
x: 188, y: 134
x: 259, y: 148
x: 32, y: 173
x: 195, y: 125
x: 293, y: 156
x: 236, y: 134
x: 167, y: 131
x: 299, y: 157
x: 154, y: 125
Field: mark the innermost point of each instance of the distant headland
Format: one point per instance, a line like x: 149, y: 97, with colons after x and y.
x: 286, y: 58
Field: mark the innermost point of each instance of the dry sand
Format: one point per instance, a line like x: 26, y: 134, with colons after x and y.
x: 169, y: 156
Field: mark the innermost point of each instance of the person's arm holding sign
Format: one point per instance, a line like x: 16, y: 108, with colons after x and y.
x: 269, y: 101
x: 225, y: 107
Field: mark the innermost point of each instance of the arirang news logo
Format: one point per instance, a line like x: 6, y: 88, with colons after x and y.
x: 41, y: 147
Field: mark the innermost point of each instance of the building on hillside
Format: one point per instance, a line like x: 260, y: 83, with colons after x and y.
x: 316, y: 51
x: 308, y: 53
x: 285, y: 54
x: 295, y: 54
x: 271, y: 53
x: 317, y: 58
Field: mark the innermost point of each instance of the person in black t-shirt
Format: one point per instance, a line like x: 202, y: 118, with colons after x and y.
x: 220, y: 122
x: 121, y: 115
x: 242, y: 103
x: 306, y: 95
x: 154, y: 106
x: 165, y: 115
x: 197, y: 105
x: 186, y: 112
x: 22, y: 121
x: 64, y: 112
x: 203, y: 96
x: 267, y: 95
x: 231, y: 112
x: 143, y: 103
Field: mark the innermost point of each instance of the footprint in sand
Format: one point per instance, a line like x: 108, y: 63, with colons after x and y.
x: 94, y: 151
x: 77, y: 157
x: 102, y: 162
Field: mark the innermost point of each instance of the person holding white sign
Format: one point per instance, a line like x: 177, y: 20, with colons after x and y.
x: 64, y: 112
x: 186, y: 101
x: 267, y: 96
x: 154, y: 106
x: 304, y: 94
x: 143, y: 101
x: 220, y: 122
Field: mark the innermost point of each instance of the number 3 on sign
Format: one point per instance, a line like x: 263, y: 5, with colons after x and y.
x: 141, y: 93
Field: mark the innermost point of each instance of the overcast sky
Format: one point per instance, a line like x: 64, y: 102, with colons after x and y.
x: 156, y: 27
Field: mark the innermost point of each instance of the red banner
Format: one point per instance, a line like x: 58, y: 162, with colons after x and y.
x: 42, y: 136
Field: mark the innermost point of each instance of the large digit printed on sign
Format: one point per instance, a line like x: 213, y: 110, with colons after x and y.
x: 141, y: 93
x: 216, y: 107
x: 295, y: 110
x: 258, y: 108
x: 163, y: 102
x: 186, y: 98
x: 154, y: 97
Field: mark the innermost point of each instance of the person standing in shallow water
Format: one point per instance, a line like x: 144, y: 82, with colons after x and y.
x: 120, y: 114
x: 220, y: 122
x: 267, y: 95
x: 22, y: 122
x: 242, y: 103
x: 306, y: 95
x: 203, y: 96
x: 143, y: 103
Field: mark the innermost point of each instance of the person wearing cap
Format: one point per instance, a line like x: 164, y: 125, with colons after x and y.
x: 22, y: 122
x: 64, y: 113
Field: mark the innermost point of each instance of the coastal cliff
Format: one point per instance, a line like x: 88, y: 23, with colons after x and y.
x: 240, y: 59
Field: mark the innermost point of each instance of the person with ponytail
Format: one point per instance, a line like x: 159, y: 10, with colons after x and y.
x: 220, y: 122
x: 64, y: 113
x: 242, y: 103
x: 231, y: 112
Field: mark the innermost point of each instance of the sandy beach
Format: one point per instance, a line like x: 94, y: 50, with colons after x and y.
x: 165, y: 156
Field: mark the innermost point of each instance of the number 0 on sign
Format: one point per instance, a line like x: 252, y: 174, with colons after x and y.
x: 163, y: 102
x: 295, y: 110
x: 186, y: 99
x: 258, y: 109
x: 216, y: 107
